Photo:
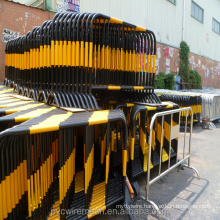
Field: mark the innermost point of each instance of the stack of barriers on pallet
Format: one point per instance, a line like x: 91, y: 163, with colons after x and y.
x: 184, y: 100
x: 57, y: 161
x: 76, y: 55
x: 83, y: 111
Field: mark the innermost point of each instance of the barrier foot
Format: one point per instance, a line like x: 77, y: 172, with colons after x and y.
x: 192, y: 168
x: 154, y: 205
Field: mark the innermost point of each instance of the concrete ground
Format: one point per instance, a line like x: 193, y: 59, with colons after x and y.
x: 181, y: 195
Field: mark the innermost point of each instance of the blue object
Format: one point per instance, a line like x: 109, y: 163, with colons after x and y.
x: 178, y: 78
x: 205, y: 88
x: 207, y: 74
x: 177, y: 87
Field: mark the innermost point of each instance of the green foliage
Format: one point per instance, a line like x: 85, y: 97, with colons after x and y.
x: 184, y: 62
x: 159, y: 81
x: 195, y: 79
x: 169, y: 81
x: 163, y: 81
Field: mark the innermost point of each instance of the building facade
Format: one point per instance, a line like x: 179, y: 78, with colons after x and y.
x: 197, y: 22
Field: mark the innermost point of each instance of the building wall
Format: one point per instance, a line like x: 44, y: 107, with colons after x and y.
x: 200, y: 36
x: 18, y: 18
x: 169, y: 61
x: 166, y: 20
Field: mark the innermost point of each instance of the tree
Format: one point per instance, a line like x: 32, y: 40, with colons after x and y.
x: 184, y: 63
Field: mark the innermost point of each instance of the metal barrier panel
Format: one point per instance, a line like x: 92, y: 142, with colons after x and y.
x: 172, y: 134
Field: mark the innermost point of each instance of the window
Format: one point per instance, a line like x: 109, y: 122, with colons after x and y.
x: 215, y: 26
x: 197, y: 12
x: 172, y: 1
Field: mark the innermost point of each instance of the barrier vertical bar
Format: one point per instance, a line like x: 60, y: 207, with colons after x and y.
x: 161, y: 145
x: 171, y: 120
x: 177, y: 149
x: 185, y: 135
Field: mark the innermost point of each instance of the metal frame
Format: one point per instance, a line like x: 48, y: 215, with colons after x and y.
x: 178, y: 163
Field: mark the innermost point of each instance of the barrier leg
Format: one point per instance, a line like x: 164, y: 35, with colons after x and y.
x: 192, y: 168
x: 151, y: 203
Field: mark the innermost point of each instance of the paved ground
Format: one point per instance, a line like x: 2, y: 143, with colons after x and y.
x: 180, y: 194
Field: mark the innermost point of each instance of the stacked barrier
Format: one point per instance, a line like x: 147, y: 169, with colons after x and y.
x: 184, y: 100
x: 77, y: 53
x: 48, y: 161
x: 84, y: 103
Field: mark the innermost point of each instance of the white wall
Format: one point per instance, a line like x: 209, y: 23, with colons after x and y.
x: 196, y: 32
x: 165, y: 19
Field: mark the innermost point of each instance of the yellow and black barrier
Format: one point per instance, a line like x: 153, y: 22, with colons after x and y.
x: 185, y: 100
x: 74, y: 55
x: 140, y: 118
x: 65, y: 153
x: 45, y: 156
x: 131, y: 96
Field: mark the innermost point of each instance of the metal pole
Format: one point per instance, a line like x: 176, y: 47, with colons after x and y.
x: 161, y: 139
x: 185, y: 135
x: 44, y: 6
x: 149, y: 158
x: 177, y: 150
x: 183, y: 25
x: 171, y: 120
x: 190, y: 135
